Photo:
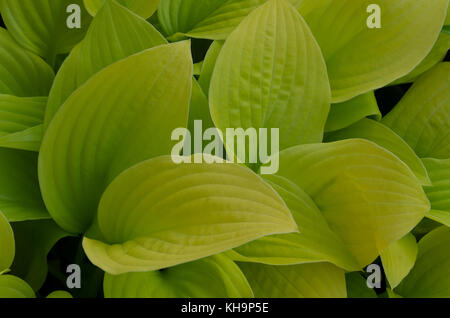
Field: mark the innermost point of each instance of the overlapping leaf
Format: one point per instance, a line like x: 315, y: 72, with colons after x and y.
x: 159, y: 214
x: 7, y: 245
x: 115, y: 33
x: 22, y: 73
x: 145, y: 8
x: 14, y: 287
x: 20, y: 198
x: 421, y: 118
x: 399, y: 258
x: 127, y: 112
x: 318, y: 280
x: 430, y: 277
x: 439, y: 192
x: 270, y: 74
x: 41, y: 25
x: 215, y: 276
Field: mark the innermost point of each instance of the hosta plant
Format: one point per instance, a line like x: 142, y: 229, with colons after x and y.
x: 349, y: 195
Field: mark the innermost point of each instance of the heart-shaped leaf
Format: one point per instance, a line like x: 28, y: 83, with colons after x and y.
x: 7, y: 245
x: 358, y: 58
x: 41, y: 25
x: 439, y: 192
x: 421, y: 117
x: 14, y: 287
x: 216, y: 276
x: 386, y: 138
x: 430, y: 277
x: 317, y: 280
x: 203, y: 210
x: 399, y: 258
x: 127, y: 112
x: 145, y: 8
x: 20, y: 197
x: 270, y: 74
x: 120, y: 34
x: 23, y: 73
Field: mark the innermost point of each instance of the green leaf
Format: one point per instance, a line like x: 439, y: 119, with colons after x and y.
x: 399, y: 258
x: 421, y: 117
x: 436, y: 55
x: 59, y: 294
x: 144, y: 8
x: 7, y: 245
x: 210, y: 19
x: 357, y: 286
x: 115, y: 33
x: 213, y: 277
x: 41, y: 25
x: 22, y: 73
x: 430, y: 277
x: 209, y: 65
x: 316, y: 242
x: 127, y: 112
x: 386, y: 138
x: 203, y: 210
x: 344, y: 114
x: 34, y: 240
x: 14, y: 287
x: 259, y: 83
x: 20, y: 197
x: 439, y: 192
x: 21, y: 119
x: 317, y: 280
x: 446, y: 29
x: 357, y: 57
x: 367, y: 195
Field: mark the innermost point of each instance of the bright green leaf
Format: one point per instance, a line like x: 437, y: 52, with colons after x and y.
x: 115, y: 33
x: 317, y: 280
x: 20, y: 197
x: 14, y: 287
x: 7, y: 245
x: 421, y: 117
x: 41, y: 26
x: 145, y: 8
x: 215, y: 276
x: 399, y: 258
x: 386, y: 138
x: 22, y: 73
x: 127, y: 112
x: 209, y: 65
x: 60, y: 294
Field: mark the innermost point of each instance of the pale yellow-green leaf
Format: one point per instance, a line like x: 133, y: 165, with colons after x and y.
x: 213, y: 277
x: 386, y: 138
x: 159, y: 214
x: 123, y: 115
x: 317, y: 280
x: 421, y: 118
x: 144, y: 8
x: 399, y: 258
x: 270, y: 74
